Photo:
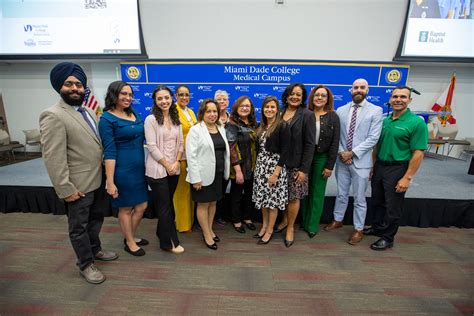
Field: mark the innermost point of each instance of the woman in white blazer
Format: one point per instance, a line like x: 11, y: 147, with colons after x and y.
x: 208, y: 155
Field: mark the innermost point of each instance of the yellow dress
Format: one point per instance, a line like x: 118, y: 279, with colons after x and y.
x: 183, y: 205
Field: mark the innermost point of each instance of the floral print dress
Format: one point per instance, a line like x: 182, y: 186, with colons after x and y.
x: 263, y: 195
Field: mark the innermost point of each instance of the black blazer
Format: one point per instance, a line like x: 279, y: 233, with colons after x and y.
x: 277, y: 143
x: 302, y: 139
x: 329, y: 137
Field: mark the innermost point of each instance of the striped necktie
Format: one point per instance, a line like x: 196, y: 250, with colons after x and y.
x: 350, y: 134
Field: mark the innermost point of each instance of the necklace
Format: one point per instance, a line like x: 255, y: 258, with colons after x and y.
x: 211, y: 128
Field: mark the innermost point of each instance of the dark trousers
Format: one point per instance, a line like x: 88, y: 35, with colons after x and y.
x: 241, y: 200
x: 387, y: 204
x: 221, y: 204
x: 162, y: 196
x: 85, y: 217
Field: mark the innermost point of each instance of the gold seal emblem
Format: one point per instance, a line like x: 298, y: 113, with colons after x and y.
x: 394, y: 76
x: 133, y: 73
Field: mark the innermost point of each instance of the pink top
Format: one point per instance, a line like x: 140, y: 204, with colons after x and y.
x: 169, y: 143
x: 161, y: 143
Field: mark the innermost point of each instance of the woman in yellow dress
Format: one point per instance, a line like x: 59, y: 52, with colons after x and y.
x: 183, y: 205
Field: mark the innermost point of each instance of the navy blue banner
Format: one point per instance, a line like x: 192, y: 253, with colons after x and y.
x: 258, y: 80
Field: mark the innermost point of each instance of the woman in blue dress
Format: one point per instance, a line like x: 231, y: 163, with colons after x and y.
x: 122, y: 133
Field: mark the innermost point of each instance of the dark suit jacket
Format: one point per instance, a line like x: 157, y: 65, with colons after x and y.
x: 302, y: 139
x: 329, y: 137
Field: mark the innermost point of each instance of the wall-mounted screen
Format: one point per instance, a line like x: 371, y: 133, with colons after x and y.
x: 438, y: 30
x: 31, y: 29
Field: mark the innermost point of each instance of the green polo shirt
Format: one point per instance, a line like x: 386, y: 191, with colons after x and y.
x: 401, y: 136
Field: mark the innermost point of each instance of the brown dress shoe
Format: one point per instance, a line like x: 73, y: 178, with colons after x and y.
x: 356, y: 237
x: 334, y: 225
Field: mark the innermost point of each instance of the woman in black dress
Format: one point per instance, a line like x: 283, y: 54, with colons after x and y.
x: 301, y: 129
x: 243, y: 155
x: 208, y: 156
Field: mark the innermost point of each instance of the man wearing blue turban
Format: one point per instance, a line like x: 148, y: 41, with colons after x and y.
x: 72, y: 153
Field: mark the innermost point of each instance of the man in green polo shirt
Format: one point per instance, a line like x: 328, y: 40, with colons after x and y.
x: 397, y: 156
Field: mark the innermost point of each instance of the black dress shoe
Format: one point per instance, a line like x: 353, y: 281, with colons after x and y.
x: 213, y: 246
x: 142, y: 242
x: 258, y: 236
x: 311, y: 234
x: 381, y: 245
x: 138, y: 253
x: 250, y: 226
x: 240, y: 229
x: 276, y: 230
x: 262, y: 242
x: 216, y: 238
x: 371, y: 231
x: 288, y: 243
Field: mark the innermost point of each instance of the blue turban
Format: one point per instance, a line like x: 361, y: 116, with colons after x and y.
x: 62, y: 71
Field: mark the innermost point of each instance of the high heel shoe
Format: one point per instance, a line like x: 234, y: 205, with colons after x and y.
x: 250, y: 225
x: 258, y: 236
x: 142, y: 242
x: 176, y: 250
x: 239, y: 229
x: 262, y: 242
x: 213, y: 246
x: 289, y: 243
x: 138, y: 253
x: 216, y: 238
x: 279, y: 230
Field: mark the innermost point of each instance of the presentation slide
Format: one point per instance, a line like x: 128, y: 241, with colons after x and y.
x: 439, y: 28
x: 30, y: 27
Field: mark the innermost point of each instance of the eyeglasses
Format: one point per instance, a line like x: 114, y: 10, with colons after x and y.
x: 244, y: 106
x: 322, y: 95
x: 183, y: 95
x: 69, y: 84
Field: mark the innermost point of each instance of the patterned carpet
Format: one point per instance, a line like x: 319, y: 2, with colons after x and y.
x: 428, y: 272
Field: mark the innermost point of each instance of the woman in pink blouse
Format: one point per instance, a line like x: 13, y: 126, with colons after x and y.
x: 164, y: 138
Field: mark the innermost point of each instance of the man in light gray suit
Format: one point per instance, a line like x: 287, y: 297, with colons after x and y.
x: 72, y: 153
x: 361, y: 123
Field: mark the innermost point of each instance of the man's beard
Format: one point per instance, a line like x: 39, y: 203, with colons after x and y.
x: 71, y: 100
x: 358, y: 98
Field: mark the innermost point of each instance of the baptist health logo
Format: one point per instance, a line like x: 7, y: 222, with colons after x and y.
x: 242, y: 88
x: 205, y: 88
x: 133, y: 73
x: 260, y: 95
x: 27, y: 28
x: 30, y: 42
x: 423, y: 38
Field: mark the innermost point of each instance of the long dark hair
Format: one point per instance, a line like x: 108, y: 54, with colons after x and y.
x: 112, y: 95
x: 289, y: 90
x: 158, y: 113
x: 264, y: 121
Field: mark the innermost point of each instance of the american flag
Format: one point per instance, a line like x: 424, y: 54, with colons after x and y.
x: 90, y: 101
